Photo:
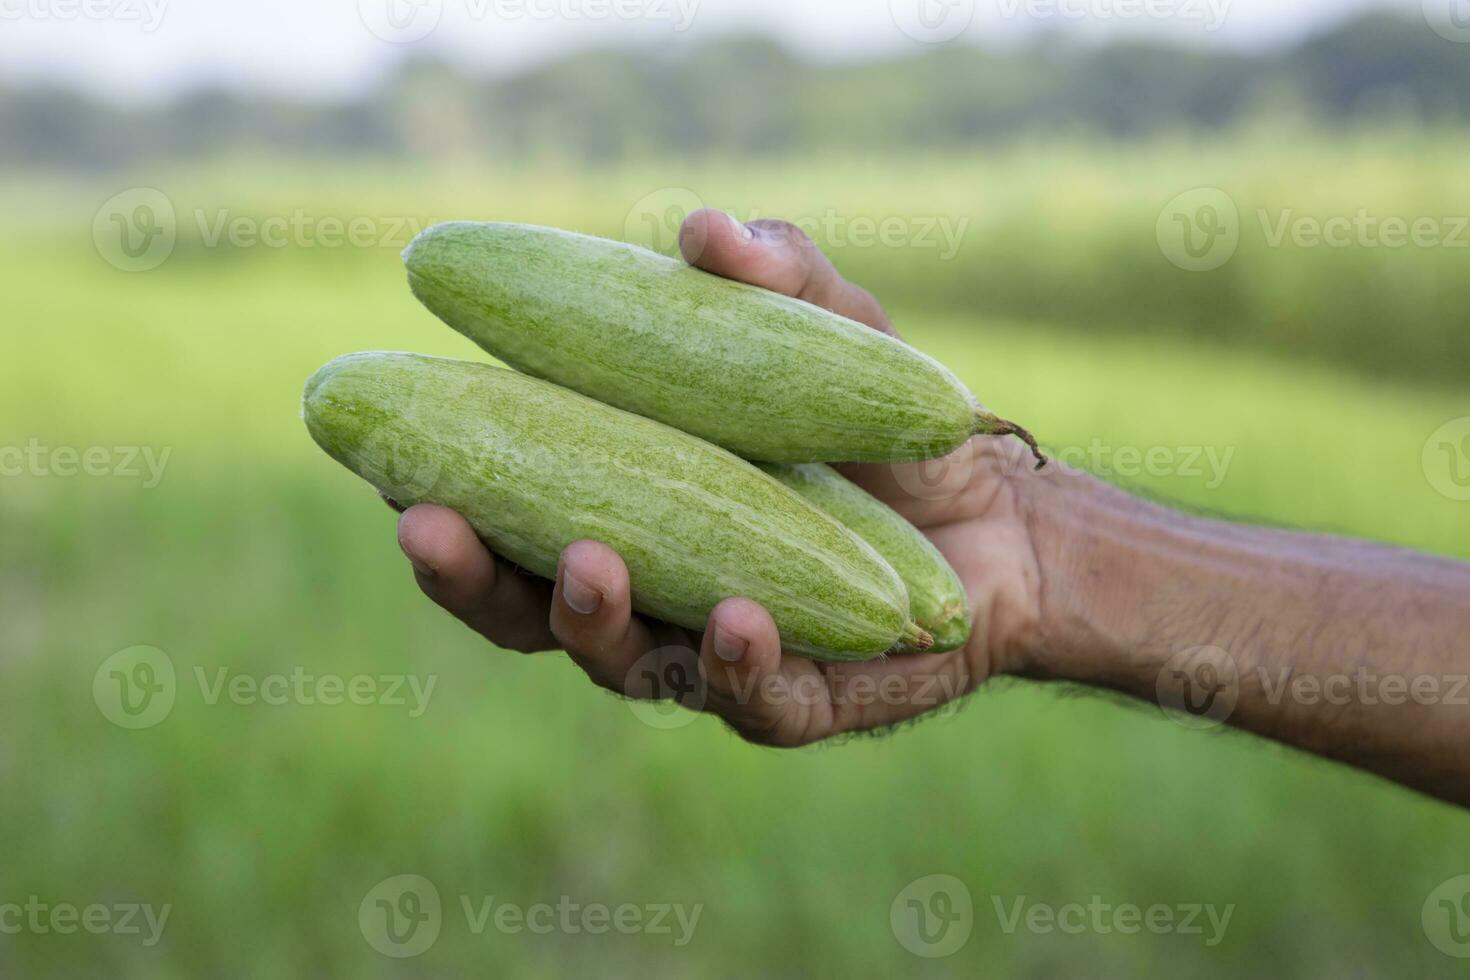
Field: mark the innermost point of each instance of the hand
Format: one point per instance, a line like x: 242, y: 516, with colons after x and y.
x: 979, y: 520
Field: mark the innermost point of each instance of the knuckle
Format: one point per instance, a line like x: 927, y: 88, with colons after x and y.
x: 782, y: 230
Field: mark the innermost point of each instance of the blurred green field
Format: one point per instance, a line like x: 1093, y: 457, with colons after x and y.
x: 265, y: 826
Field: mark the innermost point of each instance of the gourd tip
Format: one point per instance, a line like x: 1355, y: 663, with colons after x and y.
x: 988, y: 424
x: 916, y: 638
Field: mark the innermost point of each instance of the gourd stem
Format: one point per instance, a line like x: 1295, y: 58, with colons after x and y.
x: 915, y: 638
x: 987, y: 424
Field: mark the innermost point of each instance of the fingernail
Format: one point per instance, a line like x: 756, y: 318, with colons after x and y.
x: 741, y: 229
x: 728, y: 646
x: 582, y: 597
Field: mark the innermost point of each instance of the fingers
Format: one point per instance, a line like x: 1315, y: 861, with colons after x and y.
x: 778, y: 256
x: 592, y: 615
x: 787, y: 701
x: 766, y: 696
x: 497, y: 600
x: 743, y: 666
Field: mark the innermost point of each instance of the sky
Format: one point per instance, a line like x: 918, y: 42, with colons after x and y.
x: 151, y: 50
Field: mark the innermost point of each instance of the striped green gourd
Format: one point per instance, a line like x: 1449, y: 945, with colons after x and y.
x: 936, y: 596
x: 766, y: 376
x: 534, y: 467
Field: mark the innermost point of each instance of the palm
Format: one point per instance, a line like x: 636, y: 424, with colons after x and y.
x: 966, y: 503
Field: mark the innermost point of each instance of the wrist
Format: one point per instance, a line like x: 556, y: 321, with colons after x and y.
x: 1107, y: 564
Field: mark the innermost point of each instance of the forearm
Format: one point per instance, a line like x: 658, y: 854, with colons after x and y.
x: 1354, y: 651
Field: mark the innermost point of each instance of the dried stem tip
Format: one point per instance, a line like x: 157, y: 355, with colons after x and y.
x: 915, y: 638
x: 987, y: 424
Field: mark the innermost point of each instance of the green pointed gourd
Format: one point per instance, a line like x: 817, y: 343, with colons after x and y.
x: 534, y: 467
x: 766, y: 376
x: 937, y: 599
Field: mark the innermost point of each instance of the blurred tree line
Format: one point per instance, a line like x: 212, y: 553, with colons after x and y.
x: 746, y: 96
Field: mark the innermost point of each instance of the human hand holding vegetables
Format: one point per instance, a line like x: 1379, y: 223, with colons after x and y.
x: 588, y: 612
x: 1068, y: 579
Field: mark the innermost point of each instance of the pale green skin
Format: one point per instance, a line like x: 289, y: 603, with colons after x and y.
x: 765, y: 376
x: 534, y: 467
x: 937, y: 599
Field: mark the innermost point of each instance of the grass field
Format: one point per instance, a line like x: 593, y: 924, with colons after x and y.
x: 264, y: 826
